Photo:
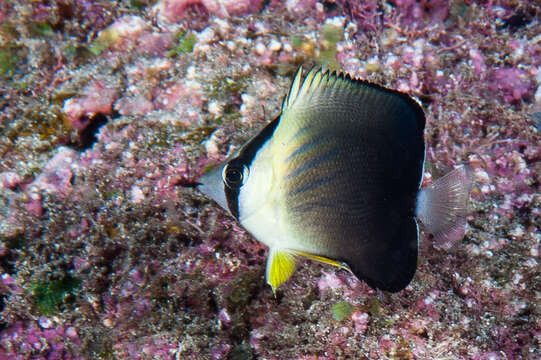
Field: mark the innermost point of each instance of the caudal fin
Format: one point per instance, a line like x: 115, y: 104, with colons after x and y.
x: 443, y: 205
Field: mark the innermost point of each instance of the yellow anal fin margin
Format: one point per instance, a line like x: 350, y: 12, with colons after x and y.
x: 322, y: 259
x: 280, y: 266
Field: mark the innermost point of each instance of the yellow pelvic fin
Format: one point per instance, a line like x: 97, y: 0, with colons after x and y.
x: 280, y: 266
x: 324, y: 260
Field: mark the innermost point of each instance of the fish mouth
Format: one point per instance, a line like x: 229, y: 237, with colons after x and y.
x: 211, y: 184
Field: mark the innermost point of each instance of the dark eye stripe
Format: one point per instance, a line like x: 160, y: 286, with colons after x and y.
x: 232, y: 197
x: 244, y: 159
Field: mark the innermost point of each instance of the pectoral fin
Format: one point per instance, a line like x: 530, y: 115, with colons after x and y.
x: 442, y: 206
x: 280, y: 266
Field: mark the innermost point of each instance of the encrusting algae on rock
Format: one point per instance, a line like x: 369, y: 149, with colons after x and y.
x: 110, y: 109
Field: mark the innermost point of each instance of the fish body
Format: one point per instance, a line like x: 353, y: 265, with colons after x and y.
x: 336, y: 178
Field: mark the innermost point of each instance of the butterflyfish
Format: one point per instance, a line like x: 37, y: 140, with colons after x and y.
x: 336, y: 178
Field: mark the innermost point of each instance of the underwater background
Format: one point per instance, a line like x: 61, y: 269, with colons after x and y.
x: 111, y: 110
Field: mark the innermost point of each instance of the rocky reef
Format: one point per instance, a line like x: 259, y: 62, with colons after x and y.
x: 111, y: 110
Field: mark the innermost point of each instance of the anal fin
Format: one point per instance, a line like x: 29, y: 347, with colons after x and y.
x: 280, y: 266
x: 324, y: 260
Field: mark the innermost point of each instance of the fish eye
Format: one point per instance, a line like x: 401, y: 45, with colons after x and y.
x: 234, y: 176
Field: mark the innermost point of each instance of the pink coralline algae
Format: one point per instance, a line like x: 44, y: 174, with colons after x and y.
x: 154, y: 347
x: 123, y: 31
x: 298, y: 7
x: 478, y: 61
x: 511, y: 84
x: 183, y: 96
x: 98, y: 99
x: 56, y: 175
x: 44, y: 340
x: 133, y: 33
x: 9, y: 180
x: 175, y: 10
x: 360, y: 321
x: 177, y: 86
x: 8, y: 285
x: 416, y: 13
x: 54, y: 179
x: 147, y: 94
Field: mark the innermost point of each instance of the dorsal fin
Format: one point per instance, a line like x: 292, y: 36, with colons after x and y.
x: 320, y: 82
x: 302, y: 89
x: 293, y: 90
x: 317, y: 79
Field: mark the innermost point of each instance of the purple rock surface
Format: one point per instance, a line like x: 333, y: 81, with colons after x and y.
x: 112, y: 109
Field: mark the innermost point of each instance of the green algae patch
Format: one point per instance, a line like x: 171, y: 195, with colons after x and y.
x: 48, y: 296
x: 373, y: 307
x: 140, y: 4
x: 8, y: 60
x: 112, y: 194
x: 41, y: 29
x: 297, y: 40
x: 98, y: 46
x: 341, y: 310
x: 105, y: 39
x: 331, y: 35
x: 324, y: 51
x: 185, y: 44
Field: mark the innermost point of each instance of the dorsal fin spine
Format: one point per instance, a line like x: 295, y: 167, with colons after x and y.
x: 294, y: 90
x: 314, y: 81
